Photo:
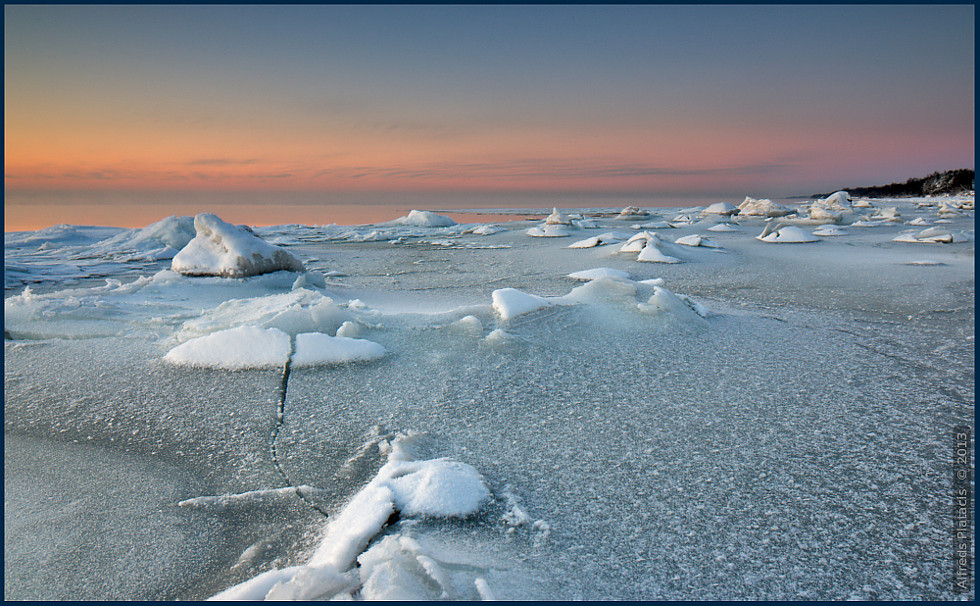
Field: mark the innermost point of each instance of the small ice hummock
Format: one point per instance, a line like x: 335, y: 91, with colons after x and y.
x: 651, y: 253
x: 223, y: 249
x: 599, y: 272
x: 721, y: 208
x: 785, y: 234
x: 233, y: 349
x: 159, y: 240
x: 888, y: 215
x: 723, y: 227
x: 317, y: 348
x: 423, y: 218
x: 557, y: 218
x: 509, y: 303
x: 753, y: 207
x: 696, y: 240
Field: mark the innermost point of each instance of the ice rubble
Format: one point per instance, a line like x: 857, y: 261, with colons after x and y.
x: 413, y: 488
x: 932, y: 235
x: 423, y: 218
x: 223, y: 249
x: 632, y: 212
x: 752, y: 207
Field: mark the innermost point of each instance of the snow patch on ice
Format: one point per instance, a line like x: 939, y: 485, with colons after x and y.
x: 234, y: 349
x: 599, y: 272
x: 318, y: 349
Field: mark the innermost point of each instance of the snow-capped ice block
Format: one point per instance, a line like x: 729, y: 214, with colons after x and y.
x: 720, y: 208
x: 549, y: 231
x: 317, y: 348
x: 226, y: 250
x: 753, y: 207
x: 234, y: 349
x: 839, y: 200
x: 889, y: 215
x: 785, y: 234
x: 424, y: 218
x: 652, y: 254
x: 510, y: 302
x: 557, y: 218
x: 599, y: 272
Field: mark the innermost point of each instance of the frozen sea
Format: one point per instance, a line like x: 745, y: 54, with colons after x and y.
x: 754, y: 420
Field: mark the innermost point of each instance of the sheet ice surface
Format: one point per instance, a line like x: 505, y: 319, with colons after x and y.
x: 620, y: 463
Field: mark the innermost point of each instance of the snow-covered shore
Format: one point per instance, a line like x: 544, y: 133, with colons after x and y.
x: 430, y: 409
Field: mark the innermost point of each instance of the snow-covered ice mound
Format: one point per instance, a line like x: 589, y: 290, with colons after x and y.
x: 549, y: 231
x: 557, y: 218
x: 234, y: 349
x: 423, y: 218
x: 720, y: 208
x: 510, y: 302
x: 840, y: 200
x: 753, y: 207
x: 223, y: 249
x: 785, y: 234
x: 486, y: 229
x: 316, y: 348
x: 599, y: 272
x: 440, y: 488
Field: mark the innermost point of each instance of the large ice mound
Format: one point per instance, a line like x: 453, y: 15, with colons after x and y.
x: 223, y: 249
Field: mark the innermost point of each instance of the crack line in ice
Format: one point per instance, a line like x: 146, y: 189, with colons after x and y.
x: 280, y: 420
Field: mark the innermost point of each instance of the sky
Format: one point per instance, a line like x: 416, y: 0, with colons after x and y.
x: 476, y: 104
